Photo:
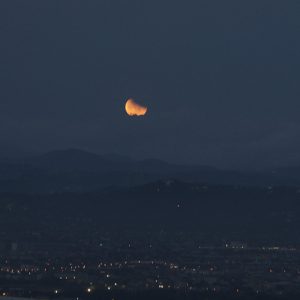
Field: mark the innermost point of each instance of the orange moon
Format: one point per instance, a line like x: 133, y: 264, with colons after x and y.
x: 134, y: 109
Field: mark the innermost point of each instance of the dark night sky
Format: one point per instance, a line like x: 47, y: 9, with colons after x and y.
x: 220, y: 79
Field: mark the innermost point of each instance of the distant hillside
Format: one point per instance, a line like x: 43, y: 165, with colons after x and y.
x: 75, y: 170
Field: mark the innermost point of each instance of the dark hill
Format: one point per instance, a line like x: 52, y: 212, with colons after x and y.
x: 75, y: 170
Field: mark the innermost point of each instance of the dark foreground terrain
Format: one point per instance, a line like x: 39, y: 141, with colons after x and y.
x: 163, y: 240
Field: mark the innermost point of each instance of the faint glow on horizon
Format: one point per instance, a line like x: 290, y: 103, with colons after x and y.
x: 134, y: 109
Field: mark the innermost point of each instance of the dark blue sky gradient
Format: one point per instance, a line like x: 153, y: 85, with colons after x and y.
x: 220, y: 78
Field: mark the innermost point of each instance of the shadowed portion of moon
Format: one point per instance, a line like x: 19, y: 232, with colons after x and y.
x: 134, y: 109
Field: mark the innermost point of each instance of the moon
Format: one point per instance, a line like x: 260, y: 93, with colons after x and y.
x: 134, y: 109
